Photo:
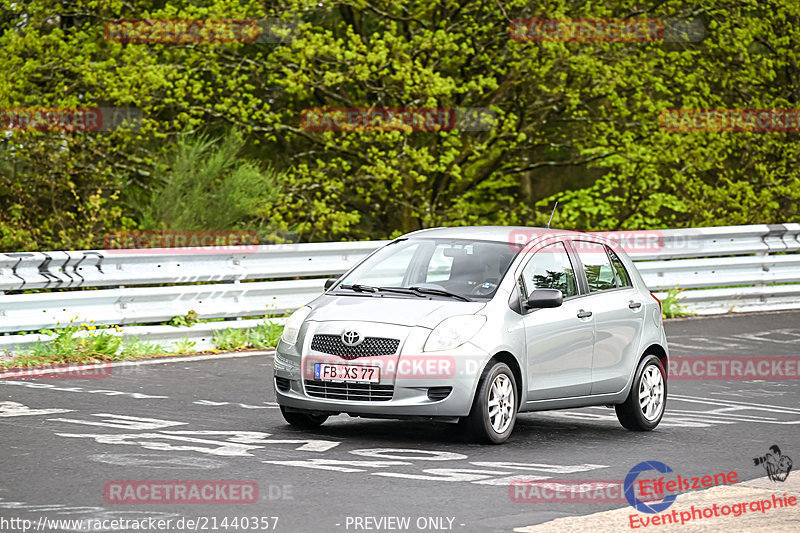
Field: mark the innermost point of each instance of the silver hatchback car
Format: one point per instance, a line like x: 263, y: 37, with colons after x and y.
x: 473, y: 325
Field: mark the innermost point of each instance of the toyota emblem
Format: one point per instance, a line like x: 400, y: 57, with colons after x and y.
x: 352, y: 338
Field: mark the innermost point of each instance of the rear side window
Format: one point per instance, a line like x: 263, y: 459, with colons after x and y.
x: 623, y: 279
x: 596, y: 265
x: 550, y: 268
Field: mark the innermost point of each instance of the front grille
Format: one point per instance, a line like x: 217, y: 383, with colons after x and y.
x: 283, y: 384
x: 332, y: 344
x: 365, y: 392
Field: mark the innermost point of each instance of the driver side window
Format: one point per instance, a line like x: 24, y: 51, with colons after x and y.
x: 549, y: 268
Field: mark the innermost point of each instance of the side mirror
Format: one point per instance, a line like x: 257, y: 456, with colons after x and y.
x: 543, y: 298
x: 329, y: 282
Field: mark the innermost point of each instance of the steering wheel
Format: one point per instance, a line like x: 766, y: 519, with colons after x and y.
x: 480, y: 290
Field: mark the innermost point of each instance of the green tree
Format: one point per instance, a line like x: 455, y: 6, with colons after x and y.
x: 207, y: 186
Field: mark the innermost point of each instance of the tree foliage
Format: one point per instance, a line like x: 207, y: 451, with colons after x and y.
x: 207, y: 186
x: 573, y: 121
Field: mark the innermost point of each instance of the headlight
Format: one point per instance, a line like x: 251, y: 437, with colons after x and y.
x: 292, y: 327
x: 453, y: 332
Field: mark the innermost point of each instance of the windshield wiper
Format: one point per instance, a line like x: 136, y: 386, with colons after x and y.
x: 358, y: 287
x: 440, y: 292
x: 420, y: 291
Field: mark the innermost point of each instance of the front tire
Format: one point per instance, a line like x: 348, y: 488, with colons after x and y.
x: 494, y: 409
x: 644, y: 407
x: 303, y: 420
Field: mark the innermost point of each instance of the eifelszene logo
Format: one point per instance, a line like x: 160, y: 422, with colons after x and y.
x: 630, y: 495
x: 776, y: 464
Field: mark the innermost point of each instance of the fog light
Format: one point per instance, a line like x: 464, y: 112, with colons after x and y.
x: 436, y: 394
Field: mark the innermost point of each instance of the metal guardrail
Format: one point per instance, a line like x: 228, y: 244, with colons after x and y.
x: 108, y: 268
x: 155, y: 304
x: 723, y: 269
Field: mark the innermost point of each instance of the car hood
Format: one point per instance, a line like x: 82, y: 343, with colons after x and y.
x: 388, y: 310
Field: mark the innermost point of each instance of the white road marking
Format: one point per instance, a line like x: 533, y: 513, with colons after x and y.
x: 447, y: 474
x: 9, y: 409
x: 737, y: 405
x: 737, y: 341
x: 722, y: 412
x: 209, y: 402
x: 693, y: 419
x: 493, y: 473
x: 238, y: 443
x: 540, y: 467
x: 508, y: 480
x: 135, y: 395
x: 771, y: 336
x: 743, y: 418
x: 123, y: 422
x: 257, y: 437
x: 338, y: 465
x: 155, y: 441
x: 157, y: 460
x: 48, y: 386
x: 403, y: 454
x: 100, y: 513
x: 752, y: 393
x: 715, y: 344
x: 243, y: 405
x: 59, y: 508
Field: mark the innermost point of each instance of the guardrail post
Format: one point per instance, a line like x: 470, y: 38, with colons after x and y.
x: 773, y: 240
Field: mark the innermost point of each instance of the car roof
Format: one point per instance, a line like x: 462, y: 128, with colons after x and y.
x: 504, y: 234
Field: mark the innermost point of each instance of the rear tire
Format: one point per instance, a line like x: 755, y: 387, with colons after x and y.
x: 647, y: 399
x: 494, y: 409
x: 303, y: 420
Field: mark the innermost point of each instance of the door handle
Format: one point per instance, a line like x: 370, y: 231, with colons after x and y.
x: 584, y: 314
x: 634, y: 305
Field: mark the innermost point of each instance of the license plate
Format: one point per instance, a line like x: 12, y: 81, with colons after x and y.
x: 347, y: 373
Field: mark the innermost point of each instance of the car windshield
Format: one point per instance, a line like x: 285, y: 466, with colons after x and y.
x: 461, y: 269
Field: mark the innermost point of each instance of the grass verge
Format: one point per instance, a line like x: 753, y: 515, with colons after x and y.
x: 101, y: 345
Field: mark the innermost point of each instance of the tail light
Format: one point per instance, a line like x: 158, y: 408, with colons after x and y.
x: 660, y: 310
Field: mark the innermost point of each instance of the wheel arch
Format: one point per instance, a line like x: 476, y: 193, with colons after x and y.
x: 658, y: 351
x: 509, y: 359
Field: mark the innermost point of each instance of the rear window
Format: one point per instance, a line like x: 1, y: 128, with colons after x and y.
x: 623, y: 279
x: 597, y: 266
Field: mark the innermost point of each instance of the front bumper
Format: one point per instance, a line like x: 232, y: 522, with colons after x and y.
x: 413, y: 380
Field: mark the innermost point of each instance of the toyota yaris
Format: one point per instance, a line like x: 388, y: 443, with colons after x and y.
x: 473, y: 325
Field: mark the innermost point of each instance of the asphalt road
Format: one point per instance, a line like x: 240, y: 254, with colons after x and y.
x: 65, y: 440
